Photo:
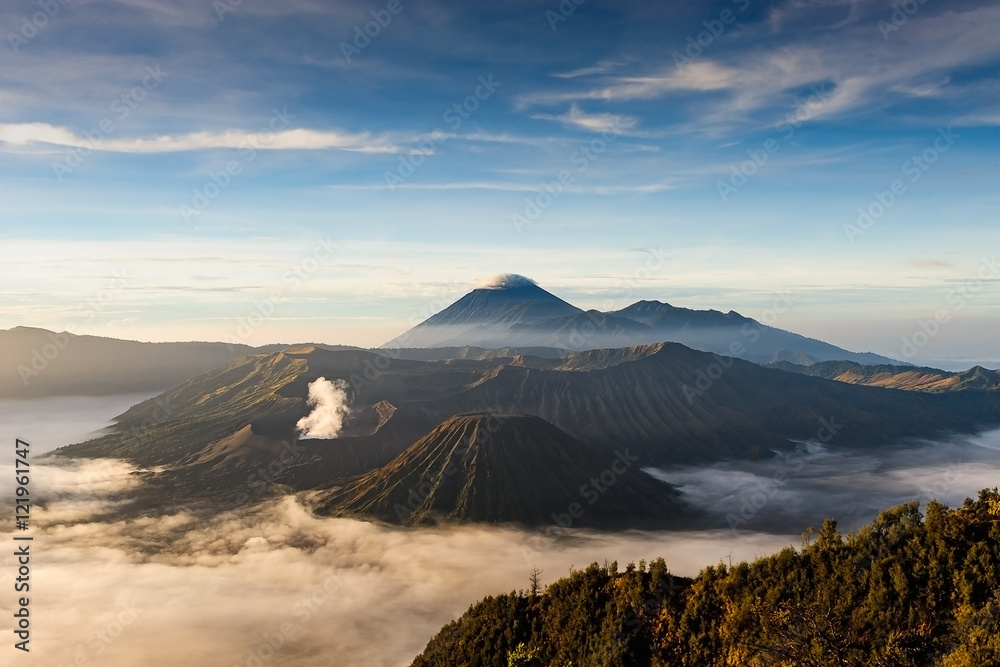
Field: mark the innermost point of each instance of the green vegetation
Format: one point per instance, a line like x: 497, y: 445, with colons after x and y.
x: 909, y: 589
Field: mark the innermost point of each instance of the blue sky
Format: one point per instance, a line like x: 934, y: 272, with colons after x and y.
x: 169, y: 168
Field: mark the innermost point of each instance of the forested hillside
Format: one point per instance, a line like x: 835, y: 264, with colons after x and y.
x: 909, y: 589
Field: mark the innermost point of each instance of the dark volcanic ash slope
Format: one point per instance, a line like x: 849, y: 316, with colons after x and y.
x: 667, y: 403
x: 488, y: 468
x: 672, y: 404
x: 220, y: 428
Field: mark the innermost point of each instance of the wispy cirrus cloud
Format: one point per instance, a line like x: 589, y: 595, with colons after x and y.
x: 593, y: 122
x: 512, y: 186
x: 603, y: 67
x: 26, y: 134
x: 988, y: 118
x: 860, y: 68
x: 699, y: 76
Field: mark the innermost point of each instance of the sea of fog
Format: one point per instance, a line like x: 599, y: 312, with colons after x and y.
x: 277, y: 586
x: 48, y: 423
x: 795, y: 490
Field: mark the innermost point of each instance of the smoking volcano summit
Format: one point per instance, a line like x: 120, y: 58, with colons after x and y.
x: 485, y: 315
x: 511, y: 310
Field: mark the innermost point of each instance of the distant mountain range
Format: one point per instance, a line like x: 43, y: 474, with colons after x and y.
x: 912, y: 378
x: 665, y: 403
x: 516, y: 312
x: 39, y: 363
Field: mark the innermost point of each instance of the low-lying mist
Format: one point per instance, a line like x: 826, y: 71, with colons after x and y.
x: 794, y: 490
x: 277, y: 585
x: 48, y: 423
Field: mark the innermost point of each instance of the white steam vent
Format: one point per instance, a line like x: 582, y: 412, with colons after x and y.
x: 329, y: 402
x: 506, y: 281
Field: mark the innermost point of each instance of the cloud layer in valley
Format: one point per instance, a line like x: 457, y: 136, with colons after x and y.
x: 49, y: 423
x: 277, y: 584
x: 815, y: 482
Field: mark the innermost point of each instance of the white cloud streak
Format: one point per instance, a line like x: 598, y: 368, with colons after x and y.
x: 592, y: 122
x: 862, y: 69
x: 25, y: 134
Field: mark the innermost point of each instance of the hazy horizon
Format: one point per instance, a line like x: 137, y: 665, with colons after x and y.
x: 779, y: 309
x: 158, y: 187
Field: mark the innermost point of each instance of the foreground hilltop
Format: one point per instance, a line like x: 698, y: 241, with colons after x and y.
x: 907, y: 590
